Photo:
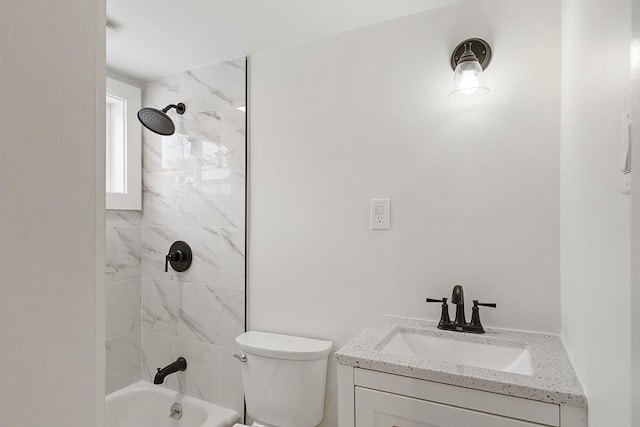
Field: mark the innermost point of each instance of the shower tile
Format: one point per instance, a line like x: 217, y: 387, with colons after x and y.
x: 232, y: 127
x: 174, y: 153
x: 161, y: 300
x: 201, y: 191
x: 190, y: 198
x: 194, y: 190
x: 204, y: 242
x: 233, y: 213
x: 160, y: 198
x: 161, y: 92
x: 203, y: 207
x: 233, y: 139
x: 123, y: 361
x: 209, y: 314
x: 214, y: 86
x: 123, y: 307
x: 123, y: 253
x: 232, y: 259
x: 198, y: 208
x: 158, y: 94
x: 231, y: 390
x: 204, y: 126
x: 152, y: 151
x: 157, y: 352
x: 203, y: 364
x: 119, y: 218
x: 237, y: 189
x: 203, y: 369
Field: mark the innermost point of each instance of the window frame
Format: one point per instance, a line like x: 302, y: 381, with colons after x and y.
x: 131, y: 199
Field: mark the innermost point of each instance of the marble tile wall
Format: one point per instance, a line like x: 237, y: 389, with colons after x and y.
x: 194, y: 190
x: 123, y: 298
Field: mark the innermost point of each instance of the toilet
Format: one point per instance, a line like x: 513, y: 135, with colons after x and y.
x: 284, y: 378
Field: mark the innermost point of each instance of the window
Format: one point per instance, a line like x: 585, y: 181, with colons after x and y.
x: 123, y: 145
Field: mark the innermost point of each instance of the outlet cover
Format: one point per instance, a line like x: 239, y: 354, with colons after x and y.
x: 380, y: 214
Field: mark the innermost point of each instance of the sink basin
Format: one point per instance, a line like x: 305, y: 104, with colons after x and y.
x: 488, y: 356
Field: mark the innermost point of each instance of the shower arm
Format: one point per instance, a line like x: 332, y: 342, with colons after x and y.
x: 180, y: 108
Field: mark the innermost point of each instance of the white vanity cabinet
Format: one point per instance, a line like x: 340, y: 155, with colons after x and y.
x: 381, y: 409
x: 376, y: 399
x: 402, y: 372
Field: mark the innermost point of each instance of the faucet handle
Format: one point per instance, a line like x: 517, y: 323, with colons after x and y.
x: 484, y: 304
x: 444, y: 316
x: 475, y: 315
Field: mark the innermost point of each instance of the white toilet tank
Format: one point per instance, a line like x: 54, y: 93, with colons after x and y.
x: 284, y: 378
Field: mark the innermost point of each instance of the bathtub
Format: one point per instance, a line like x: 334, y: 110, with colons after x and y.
x: 147, y: 405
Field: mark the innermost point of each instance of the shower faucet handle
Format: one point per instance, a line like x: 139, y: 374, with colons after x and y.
x: 179, y: 257
x: 172, y: 256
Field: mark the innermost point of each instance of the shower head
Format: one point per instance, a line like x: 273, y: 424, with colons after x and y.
x: 157, y: 121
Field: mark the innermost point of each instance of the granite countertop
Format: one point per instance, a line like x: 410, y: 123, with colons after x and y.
x: 553, y: 379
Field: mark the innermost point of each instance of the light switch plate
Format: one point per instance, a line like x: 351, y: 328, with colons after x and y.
x: 380, y: 214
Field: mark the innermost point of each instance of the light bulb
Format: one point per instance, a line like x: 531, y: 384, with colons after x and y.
x: 467, y: 80
x: 468, y: 83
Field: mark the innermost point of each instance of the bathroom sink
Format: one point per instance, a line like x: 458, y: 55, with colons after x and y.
x: 514, y: 359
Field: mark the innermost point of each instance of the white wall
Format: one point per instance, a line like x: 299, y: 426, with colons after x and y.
x: 635, y: 217
x: 117, y: 75
x: 595, y: 217
x: 51, y: 116
x: 474, y: 184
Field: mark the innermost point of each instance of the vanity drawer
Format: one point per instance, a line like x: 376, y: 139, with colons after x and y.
x: 539, y: 413
x: 381, y: 409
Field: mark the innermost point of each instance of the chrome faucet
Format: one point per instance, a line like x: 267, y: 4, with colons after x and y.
x: 460, y: 323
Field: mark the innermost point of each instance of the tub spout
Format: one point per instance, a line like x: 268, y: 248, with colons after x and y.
x: 179, y: 365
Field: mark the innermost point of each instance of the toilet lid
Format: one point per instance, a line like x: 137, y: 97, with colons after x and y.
x: 283, y: 346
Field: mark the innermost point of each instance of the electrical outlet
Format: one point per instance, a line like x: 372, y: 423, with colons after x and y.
x: 380, y: 214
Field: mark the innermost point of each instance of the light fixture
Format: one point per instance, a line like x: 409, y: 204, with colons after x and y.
x: 468, y: 60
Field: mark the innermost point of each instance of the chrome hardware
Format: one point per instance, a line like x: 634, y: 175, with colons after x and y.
x: 241, y: 357
x: 176, y: 411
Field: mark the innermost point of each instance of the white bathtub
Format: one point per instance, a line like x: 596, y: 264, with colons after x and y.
x: 147, y: 405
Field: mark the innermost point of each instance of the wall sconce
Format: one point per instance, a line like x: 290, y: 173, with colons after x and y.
x: 468, y: 60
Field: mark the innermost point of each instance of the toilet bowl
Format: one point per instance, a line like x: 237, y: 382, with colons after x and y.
x: 284, y: 378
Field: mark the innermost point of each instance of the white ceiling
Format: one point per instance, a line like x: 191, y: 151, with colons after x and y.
x: 156, y: 38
